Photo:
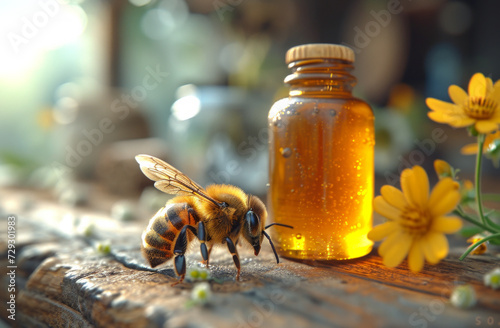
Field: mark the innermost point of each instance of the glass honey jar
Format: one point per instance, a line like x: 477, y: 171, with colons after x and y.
x: 321, y: 148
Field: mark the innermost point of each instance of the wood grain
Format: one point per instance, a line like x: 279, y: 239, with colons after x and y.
x: 64, y: 282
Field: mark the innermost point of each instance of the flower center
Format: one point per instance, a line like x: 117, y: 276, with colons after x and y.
x: 415, y: 221
x: 480, y: 108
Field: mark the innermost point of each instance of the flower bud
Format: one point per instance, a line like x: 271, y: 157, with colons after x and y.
x: 463, y: 297
x: 443, y: 169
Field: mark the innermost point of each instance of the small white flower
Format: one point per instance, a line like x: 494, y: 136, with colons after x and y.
x: 463, y: 297
x: 104, y: 247
x: 85, y: 227
x: 492, y: 278
x: 198, y: 274
x: 201, y: 293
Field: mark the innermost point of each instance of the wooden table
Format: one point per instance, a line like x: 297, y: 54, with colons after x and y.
x: 62, y: 281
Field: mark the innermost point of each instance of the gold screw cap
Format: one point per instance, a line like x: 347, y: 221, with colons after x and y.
x: 319, y: 50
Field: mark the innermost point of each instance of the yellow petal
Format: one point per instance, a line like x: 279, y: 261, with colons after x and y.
x: 477, y: 86
x: 446, y: 204
x: 395, y: 255
x: 470, y: 149
x: 446, y: 224
x: 429, y: 254
x: 382, y: 230
x: 422, y: 183
x: 439, y: 117
x: 442, y: 168
x: 486, y: 126
x: 439, y: 244
x: 460, y: 121
x: 393, y: 196
x: 441, y: 106
x: 389, y: 243
x: 415, y: 185
x: 495, y: 93
x: 490, y: 138
x: 382, y: 207
x: 456, y: 119
x: 496, y: 116
x: 444, y: 197
x: 416, y: 257
x: 457, y: 94
x: 406, y: 185
x: 489, y: 85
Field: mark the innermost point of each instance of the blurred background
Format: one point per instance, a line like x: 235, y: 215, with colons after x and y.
x: 85, y: 85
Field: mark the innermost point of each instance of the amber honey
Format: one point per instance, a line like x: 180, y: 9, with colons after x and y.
x: 321, y: 163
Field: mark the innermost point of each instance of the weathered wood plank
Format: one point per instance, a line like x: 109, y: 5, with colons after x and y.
x: 63, y: 282
x: 106, y: 293
x: 434, y: 280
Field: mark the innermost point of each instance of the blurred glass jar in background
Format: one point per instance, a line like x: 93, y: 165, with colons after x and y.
x: 219, y: 135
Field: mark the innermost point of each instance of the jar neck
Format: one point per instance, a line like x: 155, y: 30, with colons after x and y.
x: 320, y: 78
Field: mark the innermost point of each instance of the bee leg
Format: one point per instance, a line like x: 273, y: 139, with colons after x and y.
x: 209, y: 251
x: 180, y: 268
x: 179, y: 250
x: 202, y: 236
x: 234, y: 253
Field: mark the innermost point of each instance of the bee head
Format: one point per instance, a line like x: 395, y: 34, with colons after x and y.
x: 255, y: 225
x: 254, y: 222
x: 253, y: 230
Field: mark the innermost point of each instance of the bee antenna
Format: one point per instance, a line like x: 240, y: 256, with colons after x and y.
x: 272, y: 246
x: 279, y: 224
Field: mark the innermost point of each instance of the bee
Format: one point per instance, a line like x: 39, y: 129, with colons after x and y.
x: 219, y: 214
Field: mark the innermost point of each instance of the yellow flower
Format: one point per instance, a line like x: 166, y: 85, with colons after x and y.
x: 490, y: 142
x: 443, y: 169
x: 481, y: 107
x: 402, y: 97
x: 417, y: 221
x: 467, y: 191
x: 468, y: 186
x: 481, y: 249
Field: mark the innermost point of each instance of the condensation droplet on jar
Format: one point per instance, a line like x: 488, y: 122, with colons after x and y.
x: 285, y: 152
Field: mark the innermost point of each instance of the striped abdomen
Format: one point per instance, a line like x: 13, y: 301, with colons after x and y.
x: 158, y: 239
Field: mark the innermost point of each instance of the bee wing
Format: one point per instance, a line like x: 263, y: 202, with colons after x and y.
x: 169, y: 179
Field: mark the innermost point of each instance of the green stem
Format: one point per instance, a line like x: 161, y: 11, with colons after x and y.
x: 473, y: 246
x: 480, y: 143
x: 492, y: 224
x: 459, y: 211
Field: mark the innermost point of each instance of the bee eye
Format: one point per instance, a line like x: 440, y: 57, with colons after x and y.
x: 253, y: 222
